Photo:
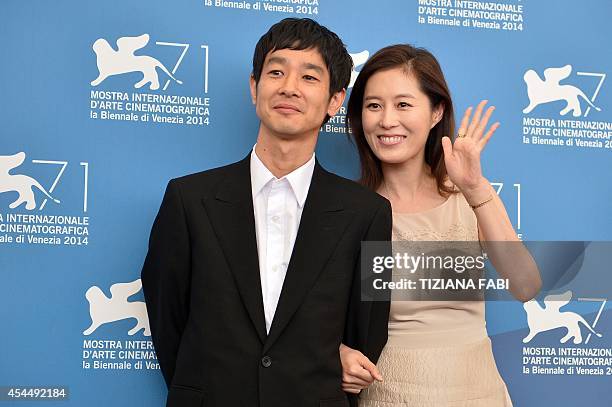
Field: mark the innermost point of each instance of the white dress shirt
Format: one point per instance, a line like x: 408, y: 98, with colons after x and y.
x: 278, y: 205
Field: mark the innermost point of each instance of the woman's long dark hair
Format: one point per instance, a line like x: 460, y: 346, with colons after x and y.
x: 426, y: 69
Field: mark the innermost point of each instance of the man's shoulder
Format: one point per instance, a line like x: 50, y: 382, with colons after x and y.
x: 355, y: 194
x: 206, y: 180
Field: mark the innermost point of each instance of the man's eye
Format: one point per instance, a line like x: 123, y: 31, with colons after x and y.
x: 310, y: 78
x: 275, y: 72
x: 403, y: 105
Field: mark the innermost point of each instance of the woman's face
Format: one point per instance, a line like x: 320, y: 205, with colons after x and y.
x: 397, y: 116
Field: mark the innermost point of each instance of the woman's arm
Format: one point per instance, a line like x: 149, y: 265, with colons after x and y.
x: 507, y: 253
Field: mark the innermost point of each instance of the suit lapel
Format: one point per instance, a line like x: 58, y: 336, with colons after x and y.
x: 322, y: 223
x: 230, y: 211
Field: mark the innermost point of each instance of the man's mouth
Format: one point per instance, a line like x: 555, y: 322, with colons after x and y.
x: 286, y: 108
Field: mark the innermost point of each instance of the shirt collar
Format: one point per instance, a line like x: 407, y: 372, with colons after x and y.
x: 299, y: 179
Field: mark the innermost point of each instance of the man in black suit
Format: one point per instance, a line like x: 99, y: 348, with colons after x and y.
x: 252, y: 276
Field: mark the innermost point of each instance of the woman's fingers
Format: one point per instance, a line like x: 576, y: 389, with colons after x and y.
x: 351, y: 389
x: 476, y: 118
x: 483, y: 141
x: 483, y: 123
x: 464, y: 122
x: 447, y: 147
x: 476, y: 126
x: 356, y: 381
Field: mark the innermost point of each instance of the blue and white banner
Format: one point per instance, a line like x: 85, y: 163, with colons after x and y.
x: 101, y: 103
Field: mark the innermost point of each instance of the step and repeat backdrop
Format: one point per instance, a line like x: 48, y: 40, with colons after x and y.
x: 101, y: 103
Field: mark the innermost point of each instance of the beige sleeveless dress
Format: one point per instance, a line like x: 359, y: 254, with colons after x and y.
x: 438, y: 353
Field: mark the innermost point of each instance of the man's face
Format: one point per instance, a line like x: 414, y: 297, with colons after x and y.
x: 292, y: 96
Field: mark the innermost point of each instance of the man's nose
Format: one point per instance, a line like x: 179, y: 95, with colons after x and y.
x: 289, y: 86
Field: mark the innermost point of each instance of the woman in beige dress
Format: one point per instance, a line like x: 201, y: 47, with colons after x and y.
x: 438, y: 353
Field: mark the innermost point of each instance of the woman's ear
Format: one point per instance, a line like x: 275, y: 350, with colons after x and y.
x: 437, y: 114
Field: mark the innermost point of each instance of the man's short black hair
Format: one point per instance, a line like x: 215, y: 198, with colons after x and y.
x: 305, y: 33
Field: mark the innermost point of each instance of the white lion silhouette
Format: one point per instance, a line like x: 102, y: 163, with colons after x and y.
x: 549, y: 90
x: 359, y: 59
x: 545, y: 319
x: 104, y: 310
x: 22, y: 184
x: 111, y: 62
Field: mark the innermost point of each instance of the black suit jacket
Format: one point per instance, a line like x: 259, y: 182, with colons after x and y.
x: 203, y: 293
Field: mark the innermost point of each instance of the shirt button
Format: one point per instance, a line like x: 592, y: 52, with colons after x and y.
x: 266, y: 361
x: 275, y: 268
x: 275, y: 219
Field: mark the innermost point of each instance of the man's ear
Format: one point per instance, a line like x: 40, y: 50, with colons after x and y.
x: 253, y: 86
x: 335, y: 102
x: 437, y: 114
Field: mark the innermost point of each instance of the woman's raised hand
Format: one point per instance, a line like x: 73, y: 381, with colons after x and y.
x: 462, y: 158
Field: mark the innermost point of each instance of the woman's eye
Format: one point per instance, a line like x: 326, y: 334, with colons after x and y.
x: 403, y: 105
x: 372, y: 106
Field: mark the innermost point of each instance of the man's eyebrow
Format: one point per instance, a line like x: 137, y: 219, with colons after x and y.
x: 314, y: 67
x: 277, y: 60
x: 307, y: 65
